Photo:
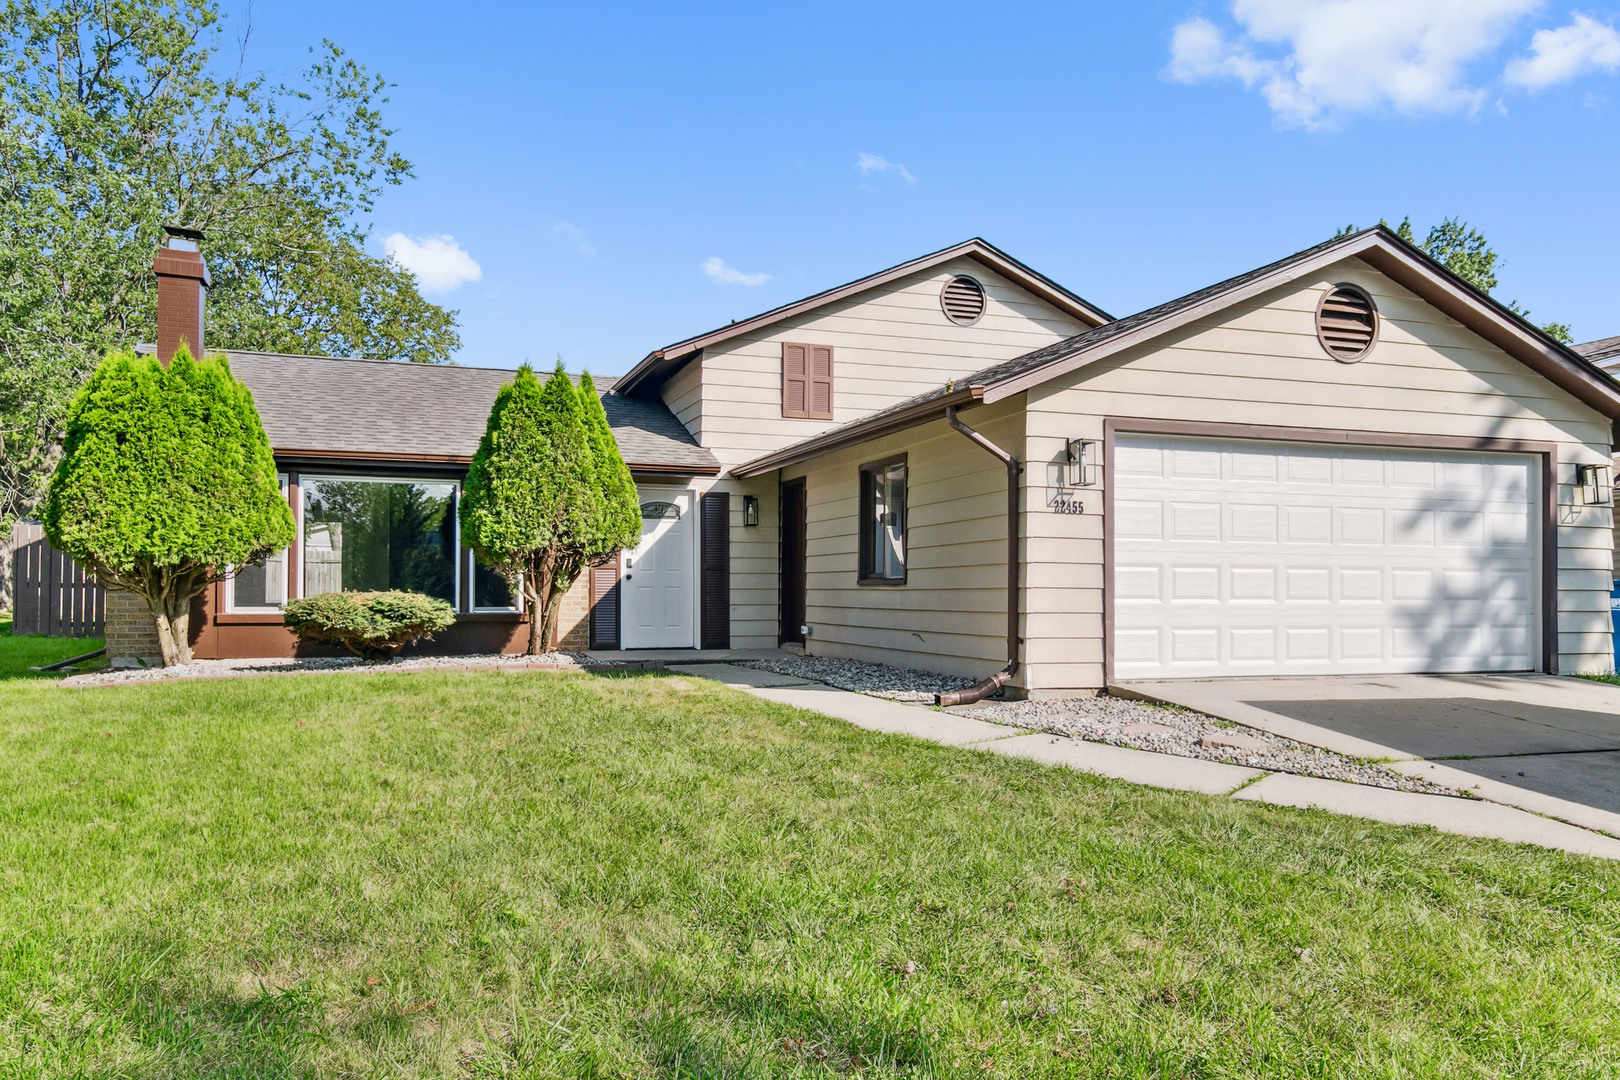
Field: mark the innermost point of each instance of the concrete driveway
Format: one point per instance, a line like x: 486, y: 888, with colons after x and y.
x: 1543, y: 743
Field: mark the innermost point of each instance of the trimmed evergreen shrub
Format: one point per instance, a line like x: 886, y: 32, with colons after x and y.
x: 166, y: 482
x: 547, y: 493
x: 373, y: 625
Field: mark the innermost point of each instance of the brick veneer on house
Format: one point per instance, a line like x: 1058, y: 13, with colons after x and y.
x: 131, y: 633
x: 574, y: 617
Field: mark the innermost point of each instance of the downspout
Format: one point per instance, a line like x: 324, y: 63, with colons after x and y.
x: 985, y: 688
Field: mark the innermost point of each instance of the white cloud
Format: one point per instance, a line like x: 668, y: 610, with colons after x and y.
x: 1560, y: 55
x: 1317, y: 60
x: 438, y: 262
x: 717, y: 269
x: 871, y: 163
x: 576, y: 235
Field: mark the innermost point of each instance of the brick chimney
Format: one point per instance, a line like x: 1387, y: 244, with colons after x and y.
x: 181, y: 277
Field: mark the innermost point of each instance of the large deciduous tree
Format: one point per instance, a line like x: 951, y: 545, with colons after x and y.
x: 166, y: 482
x: 548, y: 493
x: 119, y: 118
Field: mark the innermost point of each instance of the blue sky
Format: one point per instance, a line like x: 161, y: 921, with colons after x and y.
x: 593, y: 159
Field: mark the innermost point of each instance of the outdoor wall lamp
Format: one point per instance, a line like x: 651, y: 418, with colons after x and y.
x: 1593, y: 480
x: 1081, y: 463
x: 750, y: 510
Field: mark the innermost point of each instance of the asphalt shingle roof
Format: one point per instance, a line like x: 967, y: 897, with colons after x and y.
x: 1601, y: 352
x: 330, y: 404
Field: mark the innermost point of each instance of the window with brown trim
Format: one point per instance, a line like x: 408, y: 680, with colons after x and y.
x: 807, y: 381
x: 883, y: 522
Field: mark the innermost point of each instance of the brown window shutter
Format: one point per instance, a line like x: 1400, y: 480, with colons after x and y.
x: 795, y: 380
x: 716, y: 580
x: 821, y: 382
x: 605, y: 605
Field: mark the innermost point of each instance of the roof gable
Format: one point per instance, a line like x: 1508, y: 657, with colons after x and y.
x: 660, y: 364
x: 1378, y: 247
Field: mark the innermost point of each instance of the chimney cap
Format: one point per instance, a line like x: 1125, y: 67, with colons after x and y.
x: 189, y: 238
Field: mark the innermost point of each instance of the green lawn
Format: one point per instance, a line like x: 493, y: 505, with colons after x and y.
x: 548, y: 875
x: 19, y: 654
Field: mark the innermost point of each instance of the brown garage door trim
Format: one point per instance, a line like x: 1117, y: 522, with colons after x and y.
x: 1548, y: 452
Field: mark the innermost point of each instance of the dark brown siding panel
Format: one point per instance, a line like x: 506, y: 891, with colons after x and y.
x: 716, y: 581
x: 605, y: 606
x: 793, y: 561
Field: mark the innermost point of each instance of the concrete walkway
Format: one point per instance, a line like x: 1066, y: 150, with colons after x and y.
x: 1467, y: 817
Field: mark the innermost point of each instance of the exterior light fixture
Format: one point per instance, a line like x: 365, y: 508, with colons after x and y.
x: 1080, y: 466
x: 750, y: 510
x: 1593, y: 480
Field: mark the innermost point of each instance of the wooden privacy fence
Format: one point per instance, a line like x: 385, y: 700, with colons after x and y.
x: 50, y: 593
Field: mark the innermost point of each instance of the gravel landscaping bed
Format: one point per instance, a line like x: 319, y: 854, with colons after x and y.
x: 1144, y: 726
x: 878, y: 680
x: 228, y: 669
x: 1105, y: 719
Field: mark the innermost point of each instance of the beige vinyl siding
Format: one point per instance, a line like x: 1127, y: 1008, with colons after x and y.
x: 1260, y: 363
x: 754, y: 566
x: 950, y: 615
x: 889, y: 343
x: 684, y: 396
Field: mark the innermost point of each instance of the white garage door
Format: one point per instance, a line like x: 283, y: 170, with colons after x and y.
x: 1242, y: 557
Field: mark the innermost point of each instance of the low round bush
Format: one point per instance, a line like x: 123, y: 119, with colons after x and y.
x: 373, y: 625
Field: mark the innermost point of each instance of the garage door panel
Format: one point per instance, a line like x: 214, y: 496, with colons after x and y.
x: 1361, y: 585
x: 1195, y: 521
x: 1361, y: 643
x: 1250, y: 583
x: 1248, y: 523
x: 1138, y: 520
x: 1361, y: 525
x: 1321, y: 559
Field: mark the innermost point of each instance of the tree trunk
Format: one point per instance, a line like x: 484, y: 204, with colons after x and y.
x: 173, y: 621
x: 553, y: 612
x: 537, y: 589
x: 536, y: 630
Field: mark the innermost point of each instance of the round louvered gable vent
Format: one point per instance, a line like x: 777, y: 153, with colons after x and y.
x: 1347, y: 323
x: 963, y: 300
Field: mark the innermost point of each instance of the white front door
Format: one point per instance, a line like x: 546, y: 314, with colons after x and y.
x: 1243, y: 557
x: 659, y: 584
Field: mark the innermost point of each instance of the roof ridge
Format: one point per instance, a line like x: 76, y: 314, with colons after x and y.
x: 146, y: 348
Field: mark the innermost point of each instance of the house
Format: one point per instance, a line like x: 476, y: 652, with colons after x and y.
x: 1604, y: 352
x: 1345, y: 462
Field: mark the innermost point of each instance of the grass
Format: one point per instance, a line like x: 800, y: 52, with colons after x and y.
x: 19, y: 654
x: 561, y: 875
x: 1610, y: 677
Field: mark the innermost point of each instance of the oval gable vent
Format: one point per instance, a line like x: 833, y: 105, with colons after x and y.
x: 963, y: 300
x: 1347, y: 323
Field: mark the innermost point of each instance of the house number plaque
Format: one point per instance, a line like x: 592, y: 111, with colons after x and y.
x: 1065, y: 504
